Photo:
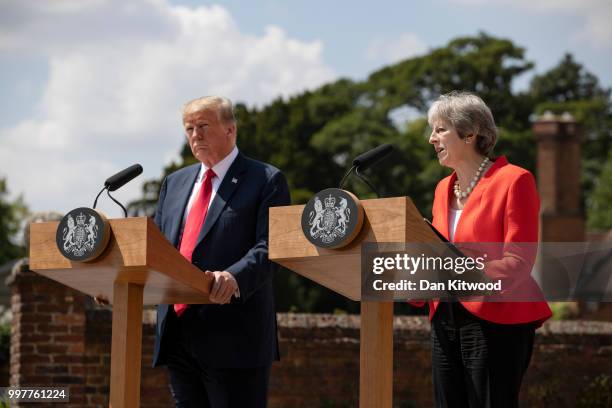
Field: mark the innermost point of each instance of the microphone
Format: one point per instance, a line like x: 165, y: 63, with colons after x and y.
x: 118, y: 180
x: 367, y: 159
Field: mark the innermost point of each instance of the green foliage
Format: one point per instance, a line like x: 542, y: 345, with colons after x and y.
x: 564, y: 310
x: 5, y: 348
x: 598, y: 393
x: 314, y: 136
x: 299, y: 295
x: 569, y: 87
x: 11, y: 216
x: 599, y: 212
x: 5, y: 342
x: 568, y: 81
x: 481, y: 64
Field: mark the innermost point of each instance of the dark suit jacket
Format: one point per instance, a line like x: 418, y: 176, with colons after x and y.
x: 234, y: 238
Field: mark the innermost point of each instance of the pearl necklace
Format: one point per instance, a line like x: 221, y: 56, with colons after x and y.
x: 463, y: 194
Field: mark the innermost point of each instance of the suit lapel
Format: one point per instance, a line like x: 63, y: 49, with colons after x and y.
x: 443, y: 222
x: 182, y: 198
x: 228, y: 186
x: 465, y: 227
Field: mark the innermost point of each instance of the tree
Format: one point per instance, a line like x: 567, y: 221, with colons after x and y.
x: 599, y: 214
x: 568, y: 81
x: 11, y: 216
x: 482, y: 64
x: 314, y: 136
x: 569, y: 87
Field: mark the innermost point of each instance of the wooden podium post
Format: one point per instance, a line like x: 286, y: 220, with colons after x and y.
x: 139, y: 267
x: 376, y: 355
x: 126, y: 347
x: 386, y: 220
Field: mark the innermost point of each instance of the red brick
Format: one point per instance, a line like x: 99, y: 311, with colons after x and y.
x: 24, y: 327
x: 69, y: 319
x: 67, y: 338
x: 67, y: 379
x: 319, y: 367
x: 77, y: 329
x: 35, y: 359
x: 76, y: 348
x: 37, y: 380
x: 76, y: 370
x: 34, y: 318
x: 51, y: 308
x: 51, y: 328
x: 51, y: 348
x: 93, y: 359
x: 51, y: 369
x: 33, y: 337
x: 66, y: 359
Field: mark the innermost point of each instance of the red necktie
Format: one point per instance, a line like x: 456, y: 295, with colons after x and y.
x: 193, y: 225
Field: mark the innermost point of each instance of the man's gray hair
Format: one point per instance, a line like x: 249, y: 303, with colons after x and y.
x: 221, y: 104
x: 469, y: 115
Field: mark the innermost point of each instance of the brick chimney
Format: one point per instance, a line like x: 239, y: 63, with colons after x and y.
x: 561, y: 215
x: 558, y: 173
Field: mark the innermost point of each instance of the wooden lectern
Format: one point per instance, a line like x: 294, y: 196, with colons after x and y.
x: 386, y: 220
x: 138, y: 267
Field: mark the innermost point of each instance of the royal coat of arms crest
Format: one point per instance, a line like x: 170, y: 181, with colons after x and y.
x: 332, y: 218
x: 82, y: 234
x: 80, y: 237
x: 328, y: 221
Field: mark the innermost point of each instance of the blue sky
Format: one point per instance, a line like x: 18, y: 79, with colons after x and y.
x: 91, y: 86
x: 348, y: 28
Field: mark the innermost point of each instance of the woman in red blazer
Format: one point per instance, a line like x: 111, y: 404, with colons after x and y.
x: 480, y: 349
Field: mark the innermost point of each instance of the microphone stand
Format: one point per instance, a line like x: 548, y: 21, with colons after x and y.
x: 125, y: 214
x: 361, y: 177
x: 365, y: 180
x: 348, y: 173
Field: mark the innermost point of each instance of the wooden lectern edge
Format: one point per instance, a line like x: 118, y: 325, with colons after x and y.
x: 280, y: 262
x: 141, y: 258
x: 187, y: 269
x: 293, y: 251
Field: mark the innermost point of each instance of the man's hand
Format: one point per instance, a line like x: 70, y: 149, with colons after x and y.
x: 101, y: 300
x: 223, y: 288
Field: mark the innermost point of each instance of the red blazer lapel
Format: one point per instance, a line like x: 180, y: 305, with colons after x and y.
x: 440, y: 209
x: 472, y: 208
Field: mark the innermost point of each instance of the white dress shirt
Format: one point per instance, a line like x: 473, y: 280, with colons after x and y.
x: 220, y: 170
x: 453, y: 220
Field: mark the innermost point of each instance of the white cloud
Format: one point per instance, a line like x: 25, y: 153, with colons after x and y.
x: 388, y: 51
x: 595, y: 15
x: 118, y: 74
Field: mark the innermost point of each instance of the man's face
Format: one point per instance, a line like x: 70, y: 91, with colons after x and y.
x: 209, y: 138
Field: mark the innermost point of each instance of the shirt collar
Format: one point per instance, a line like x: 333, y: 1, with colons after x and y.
x: 222, y: 167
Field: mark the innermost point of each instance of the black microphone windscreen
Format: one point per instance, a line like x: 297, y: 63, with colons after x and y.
x: 365, y: 160
x: 118, y: 180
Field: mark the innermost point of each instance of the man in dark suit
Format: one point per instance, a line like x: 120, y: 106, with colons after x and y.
x: 216, y: 213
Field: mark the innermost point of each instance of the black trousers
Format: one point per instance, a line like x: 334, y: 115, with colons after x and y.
x: 195, y: 385
x: 477, y: 364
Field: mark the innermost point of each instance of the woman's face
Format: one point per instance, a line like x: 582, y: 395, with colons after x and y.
x: 450, y: 149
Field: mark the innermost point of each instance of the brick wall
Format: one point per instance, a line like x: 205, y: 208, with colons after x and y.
x: 47, y: 334
x: 60, y: 338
